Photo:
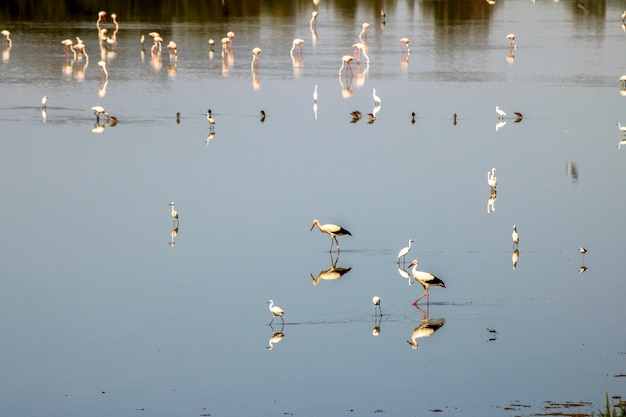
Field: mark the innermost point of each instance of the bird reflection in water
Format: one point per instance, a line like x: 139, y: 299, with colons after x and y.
x: 345, y: 86
x: 173, y: 235
x: 515, y: 258
x: 405, y: 274
x: 572, y: 170
x: 376, y: 328
x: 331, y: 274
x: 491, y: 202
x: 210, y: 137
x: 582, y: 268
x: 277, y: 337
x: 427, y: 327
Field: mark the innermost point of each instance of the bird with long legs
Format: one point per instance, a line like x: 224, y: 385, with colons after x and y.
x: 515, y: 236
x: 209, y: 118
x: 276, y: 311
x: 255, y: 56
x: 313, y: 21
x: 501, y: 113
x: 511, y: 38
x: 276, y: 338
x: 7, y: 37
x: 426, y: 279
x: 365, y: 29
x: 492, y: 180
x: 404, y: 44
x: 621, y: 128
x: 333, y: 230
x: 359, y: 48
x: 345, y: 61
x: 103, y: 70
x: 404, y: 251
x: 101, y: 18
x: 68, y: 46
x: 377, y: 99
x: 377, y: 308
x: 297, y: 46
x: 174, y: 214
x: 99, y: 110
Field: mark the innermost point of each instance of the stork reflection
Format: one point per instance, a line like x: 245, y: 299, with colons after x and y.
x: 427, y: 327
x: 515, y: 258
x: 331, y: 274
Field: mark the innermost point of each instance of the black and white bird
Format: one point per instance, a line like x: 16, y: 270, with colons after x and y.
x: 426, y: 279
x: 333, y: 230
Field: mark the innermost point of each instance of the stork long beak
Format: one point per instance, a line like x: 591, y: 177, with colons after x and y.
x: 312, y: 226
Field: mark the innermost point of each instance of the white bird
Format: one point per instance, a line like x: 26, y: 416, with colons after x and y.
x: 103, y: 69
x: 255, y: 56
x: 376, y: 302
x: 313, y: 22
x: 174, y: 213
x: 426, y: 279
x: 98, y: 110
x: 315, y: 94
x: 209, y: 118
x: 511, y: 39
x: 364, y: 31
x: 298, y: 46
x: 44, y: 100
x: 622, y: 128
x: 426, y: 328
x: 491, y: 179
x: 377, y: 99
x: 515, y: 236
x: 582, y: 250
x: 404, y: 251
x: 405, y: 46
x: 333, y: 230
x: 500, y: 112
x: 276, y: 311
x: 359, y: 49
x: 345, y: 60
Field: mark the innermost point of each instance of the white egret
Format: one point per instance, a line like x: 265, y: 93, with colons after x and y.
x: 276, y: 311
x: 404, y: 251
x: 500, y: 112
x: 377, y: 99
x: 98, y: 110
x: 174, y: 213
x: 315, y: 94
x: 515, y: 236
x: 44, y: 100
x: 333, y: 230
x: 622, y: 128
x: 426, y: 279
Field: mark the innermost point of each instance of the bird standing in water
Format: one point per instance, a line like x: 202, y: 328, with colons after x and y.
x: 333, y: 230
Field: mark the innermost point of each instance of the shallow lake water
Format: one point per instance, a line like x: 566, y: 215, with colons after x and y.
x: 105, y: 310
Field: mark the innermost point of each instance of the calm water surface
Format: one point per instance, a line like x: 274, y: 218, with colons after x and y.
x: 101, y: 313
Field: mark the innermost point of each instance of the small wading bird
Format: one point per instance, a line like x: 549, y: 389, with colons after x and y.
x: 500, y: 112
x: 491, y: 179
x: 276, y: 311
x: 515, y: 236
x: 209, y: 118
x: 333, y: 230
x: 404, y: 251
x: 44, y: 101
x: 174, y: 214
x: 622, y: 128
x: 315, y: 94
x: 98, y: 110
x: 376, y: 302
x: 377, y: 99
x: 426, y: 279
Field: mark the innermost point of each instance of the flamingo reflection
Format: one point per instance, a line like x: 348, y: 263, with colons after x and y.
x: 331, y: 274
x: 428, y: 326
